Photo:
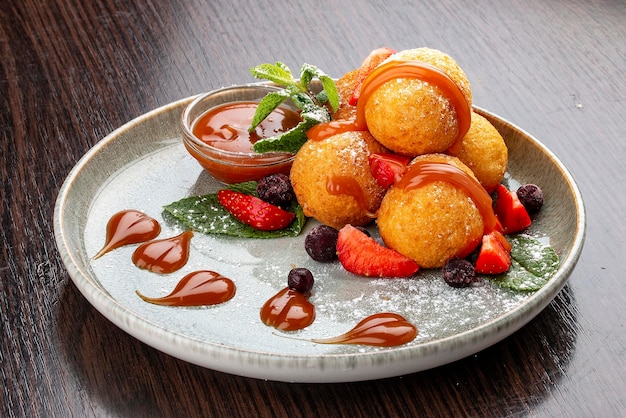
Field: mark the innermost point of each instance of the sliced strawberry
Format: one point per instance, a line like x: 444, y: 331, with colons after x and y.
x: 493, y: 257
x: 387, y: 168
x: 253, y: 211
x: 362, y: 255
x: 510, y: 211
x: 372, y: 61
x: 498, y: 226
x: 503, y: 241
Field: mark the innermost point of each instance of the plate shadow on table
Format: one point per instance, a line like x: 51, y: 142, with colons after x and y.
x: 484, y: 380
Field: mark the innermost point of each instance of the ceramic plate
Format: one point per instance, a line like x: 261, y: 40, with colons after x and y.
x: 143, y: 165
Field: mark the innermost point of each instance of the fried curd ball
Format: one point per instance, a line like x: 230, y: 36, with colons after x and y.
x: 345, y: 87
x: 341, y: 159
x: 483, y: 150
x: 433, y: 222
x: 413, y: 117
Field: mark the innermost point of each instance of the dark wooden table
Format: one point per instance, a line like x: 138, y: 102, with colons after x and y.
x: 72, y: 71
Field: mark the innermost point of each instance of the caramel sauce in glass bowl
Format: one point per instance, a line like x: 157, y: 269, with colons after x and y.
x: 215, y: 132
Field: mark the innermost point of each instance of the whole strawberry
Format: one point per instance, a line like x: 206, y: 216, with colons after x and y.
x: 253, y: 211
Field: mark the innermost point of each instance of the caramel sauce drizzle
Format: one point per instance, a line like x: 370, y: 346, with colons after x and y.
x: 164, y: 255
x: 199, y: 288
x: 384, y: 329
x: 288, y: 310
x: 128, y: 227
x: 336, y: 185
x: 423, y: 172
x: 389, y: 71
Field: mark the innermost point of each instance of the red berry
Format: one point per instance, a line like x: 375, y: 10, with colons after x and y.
x: 253, y: 211
x: 387, y: 168
x: 362, y: 255
x: 510, y: 211
x: 373, y: 60
x: 493, y: 257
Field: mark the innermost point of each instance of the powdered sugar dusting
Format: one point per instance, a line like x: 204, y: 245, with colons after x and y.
x: 259, y: 269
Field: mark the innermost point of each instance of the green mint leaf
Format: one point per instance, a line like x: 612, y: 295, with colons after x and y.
x: 289, y: 141
x: 533, y: 264
x: 279, y: 73
x: 315, y: 114
x: 266, y: 106
x: 308, y: 72
x: 293, y: 139
x: 331, y: 91
x: 302, y: 100
x: 206, y: 215
x: 247, y: 187
x: 322, y: 97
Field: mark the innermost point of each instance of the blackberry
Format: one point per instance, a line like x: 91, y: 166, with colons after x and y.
x: 321, y: 243
x: 531, y: 196
x: 301, y: 280
x: 276, y: 189
x: 458, y: 272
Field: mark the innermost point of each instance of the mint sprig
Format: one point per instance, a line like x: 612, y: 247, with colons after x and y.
x: 206, y: 215
x: 312, y: 104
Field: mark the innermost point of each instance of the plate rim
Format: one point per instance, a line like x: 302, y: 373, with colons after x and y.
x: 315, y: 368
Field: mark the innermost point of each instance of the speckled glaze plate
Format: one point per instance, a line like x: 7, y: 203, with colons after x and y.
x: 143, y: 165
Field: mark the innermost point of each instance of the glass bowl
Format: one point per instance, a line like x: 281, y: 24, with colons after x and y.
x: 230, y: 166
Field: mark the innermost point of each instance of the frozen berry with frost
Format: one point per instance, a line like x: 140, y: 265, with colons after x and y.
x: 301, y: 280
x: 276, y: 189
x: 321, y: 243
x: 531, y: 196
x: 458, y: 272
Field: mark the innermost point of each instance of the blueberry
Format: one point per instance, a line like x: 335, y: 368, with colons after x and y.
x: 458, y: 272
x: 300, y: 280
x: 321, y: 243
x: 276, y: 189
x: 531, y: 196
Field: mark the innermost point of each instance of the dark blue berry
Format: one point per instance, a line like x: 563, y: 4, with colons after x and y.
x: 531, y: 196
x: 276, y: 189
x: 300, y: 280
x: 458, y: 272
x: 321, y: 243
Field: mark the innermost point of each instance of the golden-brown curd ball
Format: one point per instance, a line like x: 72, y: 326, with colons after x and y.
x: 345, y: 87
x: 340, y: 159
x: 483, y: 150
x: 433, y: 222
x: 414, y: 117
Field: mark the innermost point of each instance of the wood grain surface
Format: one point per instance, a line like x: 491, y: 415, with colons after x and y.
x: 72, y: 71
